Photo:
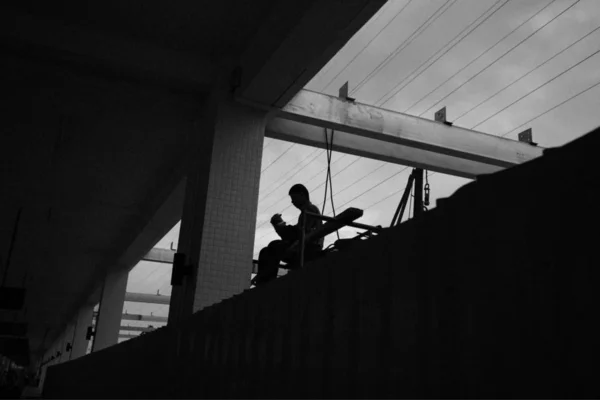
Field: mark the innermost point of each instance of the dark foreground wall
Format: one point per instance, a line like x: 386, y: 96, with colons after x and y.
x: 492, y: 294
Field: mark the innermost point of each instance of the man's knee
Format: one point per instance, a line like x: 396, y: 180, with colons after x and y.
x: 275, y: 244
x: 263, y: 253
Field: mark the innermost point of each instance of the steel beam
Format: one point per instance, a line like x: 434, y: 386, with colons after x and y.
x: 164, y: 256
x: 406, y: 130
x: 140, y: 317
x: 127, y: 335
x: 147, y: 298
x: 378, y: 149
x: 136, y: 328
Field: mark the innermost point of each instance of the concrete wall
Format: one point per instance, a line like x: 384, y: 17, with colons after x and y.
x: 491, y: 294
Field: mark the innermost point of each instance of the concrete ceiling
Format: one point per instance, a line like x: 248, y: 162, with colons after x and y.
x: 103, y: 101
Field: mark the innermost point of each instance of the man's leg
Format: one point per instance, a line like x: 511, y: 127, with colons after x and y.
x: 311, y: 253
x: 268, y: 261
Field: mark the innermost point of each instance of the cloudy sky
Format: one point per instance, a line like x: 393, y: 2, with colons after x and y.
x: 498, y: 66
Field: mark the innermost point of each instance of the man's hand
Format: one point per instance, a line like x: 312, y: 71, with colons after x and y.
x: 276, y: 219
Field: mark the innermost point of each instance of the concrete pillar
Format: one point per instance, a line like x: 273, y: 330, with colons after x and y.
x: 110, y: 310
x: 79, y: 341
x: 219, y: 216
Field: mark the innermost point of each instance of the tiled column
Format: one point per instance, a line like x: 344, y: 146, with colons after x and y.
x: 110, y: 310
x: 219, y: 216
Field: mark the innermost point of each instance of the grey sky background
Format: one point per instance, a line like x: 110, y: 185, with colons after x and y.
x: 498, y: 66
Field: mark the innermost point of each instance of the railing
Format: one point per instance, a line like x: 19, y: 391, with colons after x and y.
x: 346, y: 218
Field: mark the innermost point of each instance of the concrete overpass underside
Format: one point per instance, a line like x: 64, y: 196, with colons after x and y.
x: 106, y: 106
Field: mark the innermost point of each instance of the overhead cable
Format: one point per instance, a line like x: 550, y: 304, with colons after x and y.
x: 374, y: 186
x: 536, y: 89
x: 277, y: 159
x: 478, y: 57
x: 284, y: 179
x: 524, y: 75
x: 262, y: 223
x: 365, y: 46
x: 309, y: 179
x: 470, y: 28
x: 422, y: 28
x: 552, y: 108
x: 501, y: 56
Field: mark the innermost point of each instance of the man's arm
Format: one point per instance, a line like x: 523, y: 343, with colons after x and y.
x: 285, y: 232
x: 312, y: 223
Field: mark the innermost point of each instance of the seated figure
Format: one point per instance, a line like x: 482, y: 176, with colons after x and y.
x: 271, y: 256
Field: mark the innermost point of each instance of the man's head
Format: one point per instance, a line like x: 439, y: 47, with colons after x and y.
x: 299, y: 195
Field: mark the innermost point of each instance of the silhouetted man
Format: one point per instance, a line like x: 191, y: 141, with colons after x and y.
x: 270, y: 257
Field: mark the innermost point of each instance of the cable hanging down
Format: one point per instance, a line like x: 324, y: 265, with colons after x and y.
x: 328, y: 180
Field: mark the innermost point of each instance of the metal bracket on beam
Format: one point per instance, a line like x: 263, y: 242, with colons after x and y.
x: 343, y: 93
x: 527, y: 137
x: 180, y: 269
x: 440, y: 116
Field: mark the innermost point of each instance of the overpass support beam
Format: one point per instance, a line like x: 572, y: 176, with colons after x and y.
x: 110, y: 310
x: 147, y: 298
x: 397, y: 137
x: 84, y: 320
x: 219, y: 212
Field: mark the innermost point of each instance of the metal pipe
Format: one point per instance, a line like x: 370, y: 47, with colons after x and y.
x: 147, y: 298
x: 418, y: 203
x: 136, y: 328
x: 402, y: 205
x: 302, y: 238
x: 352, y: 224
x: 140, y: 317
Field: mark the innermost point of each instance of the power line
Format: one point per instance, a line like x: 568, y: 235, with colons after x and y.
x: 383, y: 164
x: 472, y: 26
x: 310, y: 179
x: 374, y: 186
x: 523, y: 76
x: 552, y: 109
x: 284, y: 178
x: 397, y: 51
x: 313, y: 190
x: 498, y: 58
x: 352, y: 60
x: 405, y: 43
x: 367, y: 45
x: 384, y: 199
x: 277, y: 159
x: 341, y: 191
x: 478, y: 57
x: 537, y: 88
x: 270, y: 142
